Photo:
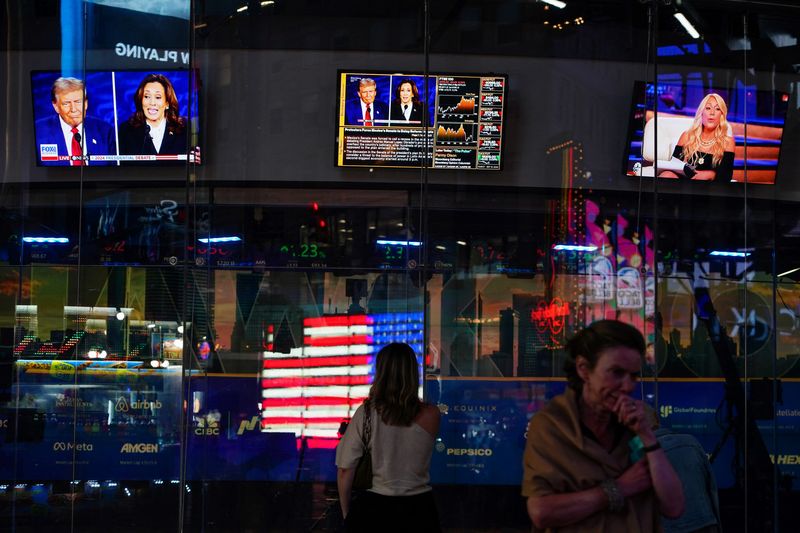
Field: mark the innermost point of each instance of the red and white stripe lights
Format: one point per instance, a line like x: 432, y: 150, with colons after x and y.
x: 312, y: 389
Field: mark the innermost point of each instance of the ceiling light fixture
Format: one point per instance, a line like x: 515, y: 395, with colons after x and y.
x: 690, y: 29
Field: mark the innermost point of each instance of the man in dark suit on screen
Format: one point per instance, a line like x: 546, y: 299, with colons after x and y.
x: 70, y: 137
x: 367, y: 111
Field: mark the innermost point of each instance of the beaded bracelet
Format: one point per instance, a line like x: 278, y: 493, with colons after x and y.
x: 616, y: 501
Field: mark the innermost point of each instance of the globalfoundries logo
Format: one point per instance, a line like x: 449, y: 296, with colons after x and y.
x: 668, y: 410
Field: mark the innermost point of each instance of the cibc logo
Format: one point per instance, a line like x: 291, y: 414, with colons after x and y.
x: 139, y: 447
x: 207, y: 426
x: 69, y: 446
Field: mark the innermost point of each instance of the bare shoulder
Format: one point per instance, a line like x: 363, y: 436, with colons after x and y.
x: 684, y: 138
x: 730, y: 144
x: 428, y: 418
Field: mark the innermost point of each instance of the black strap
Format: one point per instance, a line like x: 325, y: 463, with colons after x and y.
x: 366, y: 433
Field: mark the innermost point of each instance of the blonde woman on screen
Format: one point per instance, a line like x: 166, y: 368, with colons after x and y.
x: 706, y: 150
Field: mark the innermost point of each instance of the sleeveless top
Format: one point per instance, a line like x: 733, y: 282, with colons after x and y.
x: 401, y: 456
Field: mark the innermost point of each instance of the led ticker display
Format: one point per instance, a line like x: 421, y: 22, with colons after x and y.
x: 312, y: 389
x: 396, y: 120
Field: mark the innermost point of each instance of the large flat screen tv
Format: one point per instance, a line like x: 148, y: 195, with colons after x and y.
x: 109, y: 118
x: 448, y: 121
x: 755, y: 118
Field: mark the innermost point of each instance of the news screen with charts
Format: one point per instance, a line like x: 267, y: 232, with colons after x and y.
x: 112, y: 118
x: 401, y: 120
x: 752, y: 118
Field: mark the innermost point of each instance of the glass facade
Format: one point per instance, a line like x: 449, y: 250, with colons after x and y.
x: 213, y: 214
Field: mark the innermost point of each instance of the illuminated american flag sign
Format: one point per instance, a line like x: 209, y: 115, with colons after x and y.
x: 310, y: 390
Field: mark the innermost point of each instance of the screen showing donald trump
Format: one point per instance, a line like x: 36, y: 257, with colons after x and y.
x: 111, y: 118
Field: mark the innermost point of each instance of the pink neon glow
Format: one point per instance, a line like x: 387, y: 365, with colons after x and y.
x: 319, y: 442
x: 308, y: 422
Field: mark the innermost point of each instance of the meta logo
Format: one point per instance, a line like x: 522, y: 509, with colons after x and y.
x: 69, y: 446
x: 139, y: 447
x: 482, y: 452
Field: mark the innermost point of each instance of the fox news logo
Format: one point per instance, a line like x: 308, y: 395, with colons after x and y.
x: 48, y: 152
x: 139, y: 447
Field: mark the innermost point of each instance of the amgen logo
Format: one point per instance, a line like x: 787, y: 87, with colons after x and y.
x: 139, y: 447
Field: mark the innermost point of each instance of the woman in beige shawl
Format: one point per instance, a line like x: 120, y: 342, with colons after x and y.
x: 580, y: 473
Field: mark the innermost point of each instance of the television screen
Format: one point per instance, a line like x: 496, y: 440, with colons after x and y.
x: 396, y: 120
x: 111, y: 118
x: 755, y: 120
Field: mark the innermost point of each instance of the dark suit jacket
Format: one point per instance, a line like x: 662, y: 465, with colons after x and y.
x: 398, y: 119
x: 136, y: 141
x: 98, y: 139
x: 353, y: 115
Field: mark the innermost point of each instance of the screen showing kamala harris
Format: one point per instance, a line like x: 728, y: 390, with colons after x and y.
x: 110, y: 118
x: 396, y: 120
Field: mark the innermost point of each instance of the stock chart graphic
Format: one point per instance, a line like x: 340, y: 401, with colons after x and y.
x: 445, y: 134
x: 459, y: 110
x: 458, y: 107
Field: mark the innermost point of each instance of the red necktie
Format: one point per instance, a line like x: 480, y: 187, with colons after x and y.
x: 367, y: 117
x: 77, y: 150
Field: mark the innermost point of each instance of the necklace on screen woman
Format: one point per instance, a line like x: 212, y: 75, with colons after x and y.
x: 705, y: 144
x: 709, y: 142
